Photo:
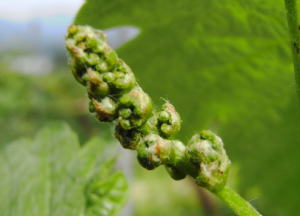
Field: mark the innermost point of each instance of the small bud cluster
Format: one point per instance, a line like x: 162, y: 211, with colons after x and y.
x: 116, y: 96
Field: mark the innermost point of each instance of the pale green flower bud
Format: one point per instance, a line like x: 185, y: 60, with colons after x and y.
x: 95, y: 85
x: 148, y: 151
x: 122, y: 67
x: 102, y: 66
x: 105, y: 109
x: 150, y: 126
x: 173, y: 156
x: 168, y: 120
x: 206, y: 151
x: 140, y: 105
x: 72, y: 30
x: 111, y: 56
x: 92, y: 59
x: 120, y: 81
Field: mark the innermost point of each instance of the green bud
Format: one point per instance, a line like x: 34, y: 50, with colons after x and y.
x: 140, y: 105
x: 102, y: 66
x: 79, y: 54
x: 92, y: 42
x: 174, y: 154
x: 95, y: 41
x: 92, y: 59
x: 101, y: 89
x: 124, y: 80
x: 110, y: 56
x: 150, y: 125
x: 70, y: 44
x: 206, y: 151
x: 105, y: 109
x: 125, y: 124
x: 122, y: 67
x: 80, y: 36
x: 164, y: 116
x: 169, y: 122
x: 72, y: 30
x: 125, y: 113
x: 94, y: 77
x: 120, y: 81
x: 95, y: 85
x: 148, y: 151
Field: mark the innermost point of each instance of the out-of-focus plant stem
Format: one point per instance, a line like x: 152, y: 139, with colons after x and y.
x: 292, y: 19
x: 240, y: 206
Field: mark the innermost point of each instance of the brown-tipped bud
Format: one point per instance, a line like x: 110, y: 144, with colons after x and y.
x: 154, y: 150
x: 95, y: 84
x: 148, y: 151
x: 105, y: 109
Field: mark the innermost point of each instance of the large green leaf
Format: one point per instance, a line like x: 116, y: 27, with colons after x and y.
x: 50, y: 176
x: 226, y: 66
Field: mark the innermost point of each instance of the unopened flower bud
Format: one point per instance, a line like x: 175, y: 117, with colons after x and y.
x: 110, y: 56
x: 120, y: 81
x: 168, y: 120
x: 148, y: 151
x: 105, y: 109
x: 140, y: 105
x: 207, y: 152
x: 95, y: 85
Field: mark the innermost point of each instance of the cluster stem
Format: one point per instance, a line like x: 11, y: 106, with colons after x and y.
x: 239, y: 205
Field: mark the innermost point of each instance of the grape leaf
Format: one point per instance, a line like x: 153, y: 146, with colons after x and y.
x: 225, y: 65
x: 49, y: 175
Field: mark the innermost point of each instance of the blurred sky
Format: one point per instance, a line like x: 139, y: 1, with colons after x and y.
x: 37, y: 28
x: 25, y: 10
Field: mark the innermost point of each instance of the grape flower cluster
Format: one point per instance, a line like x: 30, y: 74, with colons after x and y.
x: 115, y: 96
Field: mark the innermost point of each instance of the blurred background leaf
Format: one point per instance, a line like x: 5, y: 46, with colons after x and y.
x: 49, y: 176
x: 225, y: 66
x: 28, y: 101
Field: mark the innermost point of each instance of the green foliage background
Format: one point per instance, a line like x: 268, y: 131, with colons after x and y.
x: 225, y: 65
x: 50, y: 174
x: 28, y: 102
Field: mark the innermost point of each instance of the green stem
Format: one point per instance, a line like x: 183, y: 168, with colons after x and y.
x: 240, y: 206
x: 292, y: 19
